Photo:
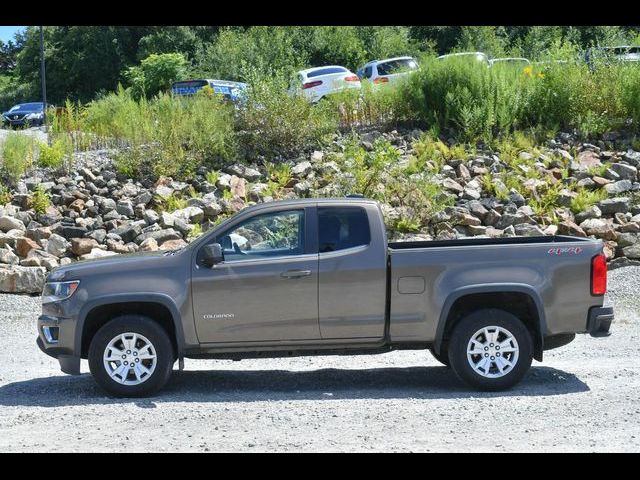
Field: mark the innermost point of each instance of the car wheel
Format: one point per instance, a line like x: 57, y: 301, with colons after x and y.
x: 442, y: 357
x: 131, y: 356
x: 490, y: 349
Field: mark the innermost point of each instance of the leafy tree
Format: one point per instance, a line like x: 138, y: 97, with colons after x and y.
x: 156, y: 73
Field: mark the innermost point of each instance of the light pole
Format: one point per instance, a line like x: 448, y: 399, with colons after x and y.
x: 43, y: 80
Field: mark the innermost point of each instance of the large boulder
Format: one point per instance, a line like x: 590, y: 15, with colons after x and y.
x: 82, y: 246
x: 610, y: 206
x: 17, y: 279
x: 57, y: 245
x: 10, y: 223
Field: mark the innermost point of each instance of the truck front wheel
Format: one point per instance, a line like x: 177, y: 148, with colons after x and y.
x: 131, y: 356
x: 442, y: 357
x: 490, y: 349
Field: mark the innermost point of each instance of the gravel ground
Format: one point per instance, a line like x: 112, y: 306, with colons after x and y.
x: 37, y: 132
x: 584, y: 397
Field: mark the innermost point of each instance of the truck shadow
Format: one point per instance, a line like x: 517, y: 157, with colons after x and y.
x: 219, y: 386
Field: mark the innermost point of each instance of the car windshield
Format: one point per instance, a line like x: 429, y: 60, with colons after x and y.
x: 326, y: 71
x: 26, y: 107
x: 397, y: 66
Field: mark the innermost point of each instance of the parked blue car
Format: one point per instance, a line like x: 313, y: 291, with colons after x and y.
x: 234, y: 92
x: 24, y: 114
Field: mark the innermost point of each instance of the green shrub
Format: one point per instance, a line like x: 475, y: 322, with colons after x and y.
x: 212, y: 176
x: 17, y: 155
x: 279, y: 173
x: 5, y: 195
x: 52, y: 156
x: 173, y: 202
x: 39, y: 200
x: 273, y: 123
x: 586, y: 198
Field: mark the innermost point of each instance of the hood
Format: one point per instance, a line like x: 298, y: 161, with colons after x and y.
x: 132, y: 262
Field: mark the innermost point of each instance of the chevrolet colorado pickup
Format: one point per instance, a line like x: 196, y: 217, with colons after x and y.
x: 318, y: 277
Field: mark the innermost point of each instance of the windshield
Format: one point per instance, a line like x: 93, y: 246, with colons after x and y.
x: 397, y: 66
x: 188, y: 87
x: 26, y: 107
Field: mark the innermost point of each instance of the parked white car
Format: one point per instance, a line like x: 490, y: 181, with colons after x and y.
x: 388, y: 70
x: 318, y: 82
x: 473, y: 56
x: 510, y: 61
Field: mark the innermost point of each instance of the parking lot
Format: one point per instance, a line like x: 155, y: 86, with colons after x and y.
x: 584, y: 397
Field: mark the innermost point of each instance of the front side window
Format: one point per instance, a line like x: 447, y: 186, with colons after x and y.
x: 342, y: 227
x: 269, y: 235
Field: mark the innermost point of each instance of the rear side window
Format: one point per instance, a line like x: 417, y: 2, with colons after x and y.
x: 326, y: 71
x: 342, y: 227
x: 368, y: 71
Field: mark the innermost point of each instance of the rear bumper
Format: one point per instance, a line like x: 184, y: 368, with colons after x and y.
x: 599, y: 321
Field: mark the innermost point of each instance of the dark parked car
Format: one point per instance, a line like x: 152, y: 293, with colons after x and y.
x: 24, y: 115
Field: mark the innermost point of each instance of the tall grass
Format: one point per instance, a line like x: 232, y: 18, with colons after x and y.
x: 463, y: 99
x: 480, y: 103
x: 16, y: 155
x: 273, y: 123
x: 169, y: 135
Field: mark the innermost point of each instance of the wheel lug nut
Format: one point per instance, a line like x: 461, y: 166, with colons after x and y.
x: 137, y: 359
x: 486, y: 349
x: 497, y: 354
x: 124, y: 356
x: 126, y: 363
x: 129, y: 351
x: 497, y: 347
x: 135, y: 354
x: 493, y: 358
x: 491, y: 344
x: 486, y: 354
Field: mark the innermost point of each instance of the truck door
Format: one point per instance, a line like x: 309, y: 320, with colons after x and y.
x: 266, y: 289
x: 352, y: 273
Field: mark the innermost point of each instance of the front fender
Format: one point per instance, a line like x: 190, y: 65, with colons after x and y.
x: 145, y: 297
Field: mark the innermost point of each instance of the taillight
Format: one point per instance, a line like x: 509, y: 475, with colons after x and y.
x: 352, y: 78
x: 315, y: 83
x: 598, y: 275
x: 381, y: 80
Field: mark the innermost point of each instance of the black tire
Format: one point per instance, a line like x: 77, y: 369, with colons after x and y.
x: 160, y: 341
x: 467, y: 328
x: 442, y: 357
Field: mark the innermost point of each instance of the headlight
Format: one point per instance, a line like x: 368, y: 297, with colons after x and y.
x: 58, y: 291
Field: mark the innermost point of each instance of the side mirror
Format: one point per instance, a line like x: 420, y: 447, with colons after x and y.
x: 212, y: 254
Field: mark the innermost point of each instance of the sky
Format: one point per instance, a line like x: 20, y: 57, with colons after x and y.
x: 6, y: 33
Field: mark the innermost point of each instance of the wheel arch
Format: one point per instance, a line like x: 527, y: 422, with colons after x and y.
x: 519, y: 299
x: 158, y: 307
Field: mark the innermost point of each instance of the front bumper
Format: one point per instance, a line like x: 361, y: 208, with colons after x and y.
x: 62, y: 348
x: 599, y: 321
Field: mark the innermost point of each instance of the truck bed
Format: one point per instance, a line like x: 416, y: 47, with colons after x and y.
x: 426, y: 276
x: 464, y: 242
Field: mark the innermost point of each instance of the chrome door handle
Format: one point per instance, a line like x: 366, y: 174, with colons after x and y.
x: 295, y: 273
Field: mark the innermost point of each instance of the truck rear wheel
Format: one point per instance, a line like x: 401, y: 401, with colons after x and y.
x: 490, y: 349
x: 131, y: 356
